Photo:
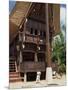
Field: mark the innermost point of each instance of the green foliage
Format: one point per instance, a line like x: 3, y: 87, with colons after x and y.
x: 62, y: 68
x: 59, y: 52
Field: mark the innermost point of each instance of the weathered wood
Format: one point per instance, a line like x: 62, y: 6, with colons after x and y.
x: 36, y: 58
x: 32, y: 66
x: 23, y: 10
x: 48, y: 54
x: 56, y: 18
x: 18, y: 16
x: 31, y: 39
x: 34, y: 39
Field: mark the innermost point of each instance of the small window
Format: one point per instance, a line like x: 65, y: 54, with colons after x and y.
x: 31, y: 32
x: 44, y: 34
x: 36, y: 32
x: 40, y: 33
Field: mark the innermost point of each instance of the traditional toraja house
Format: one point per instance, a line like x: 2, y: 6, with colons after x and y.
x: 32, y: 27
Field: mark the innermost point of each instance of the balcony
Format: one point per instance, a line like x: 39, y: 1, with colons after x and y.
x: 34, y: 39
x: 29, y: 38
x: 32, y: 66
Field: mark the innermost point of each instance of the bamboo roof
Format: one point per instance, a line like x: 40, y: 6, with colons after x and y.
x: 19, y: 12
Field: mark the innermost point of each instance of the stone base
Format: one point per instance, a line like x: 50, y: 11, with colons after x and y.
x: 25, y: 77
x: 38, y: 77
x: 49, y: 75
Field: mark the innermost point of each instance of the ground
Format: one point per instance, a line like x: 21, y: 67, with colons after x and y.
x: 43, y: 83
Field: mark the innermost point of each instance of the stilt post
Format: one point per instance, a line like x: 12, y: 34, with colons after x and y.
x: 48, y: 53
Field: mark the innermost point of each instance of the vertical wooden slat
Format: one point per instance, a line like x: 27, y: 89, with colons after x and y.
x: 56, y: 18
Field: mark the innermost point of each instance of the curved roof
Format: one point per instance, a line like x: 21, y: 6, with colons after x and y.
x: 18, y: 15
x: 21, y: 11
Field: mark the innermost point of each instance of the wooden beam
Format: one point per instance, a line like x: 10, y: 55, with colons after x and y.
x: 48, y: 54
x: 38, y: 20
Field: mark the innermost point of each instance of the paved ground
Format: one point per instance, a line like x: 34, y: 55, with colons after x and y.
x: 43, y: 83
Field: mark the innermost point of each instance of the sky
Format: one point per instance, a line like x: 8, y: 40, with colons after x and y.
x: 11, y: 5
x: 63, y: 14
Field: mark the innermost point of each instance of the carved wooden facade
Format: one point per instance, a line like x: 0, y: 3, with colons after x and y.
x: 34, y: 25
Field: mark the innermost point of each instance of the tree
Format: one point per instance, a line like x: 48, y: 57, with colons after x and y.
x: 59, y: 52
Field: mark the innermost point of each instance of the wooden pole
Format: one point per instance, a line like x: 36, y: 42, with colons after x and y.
x: 36, y: 58
x: 24, y: 30
x: 48, y: 57
x: 48, y: 53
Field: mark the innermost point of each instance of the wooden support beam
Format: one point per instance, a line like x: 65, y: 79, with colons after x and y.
x: 38, y: 20
x: 24, y: 31
x: 48, y: 57
x: 36, y: 58
x: 48, y: 53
